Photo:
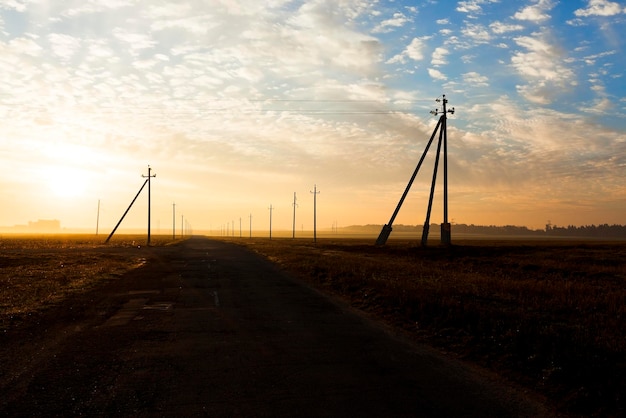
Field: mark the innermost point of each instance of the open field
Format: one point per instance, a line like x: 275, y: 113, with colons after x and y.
x: 550, y: 315
x: 39, y: 271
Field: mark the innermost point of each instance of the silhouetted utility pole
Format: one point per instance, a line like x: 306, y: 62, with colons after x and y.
x: 315, y: 193
x: 294, y: 215
x: 443, y: 141
x: 124, y: 215
x: 271, y: 209
x: 149, y: 176
x: 446, y: 233
x: 98, y: 217
x: 173, y: 220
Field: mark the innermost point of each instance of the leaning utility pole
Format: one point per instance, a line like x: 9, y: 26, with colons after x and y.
x: 149, y: 176
x: 124, y: 215
x: 315, y: 193
x: 443, y: 140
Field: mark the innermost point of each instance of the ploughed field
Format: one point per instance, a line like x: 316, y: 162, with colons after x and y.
x: 550, y: 315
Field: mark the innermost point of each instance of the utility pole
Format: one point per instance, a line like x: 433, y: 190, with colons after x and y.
x: 294, y: 215
x: 271, y: 209
x: 446, y: 230
x: 124, y: 215
x: 443, y: 141
x: 149, y: 176
x: 174, y: 221
x: 315, y: 193
x: 98, y: 217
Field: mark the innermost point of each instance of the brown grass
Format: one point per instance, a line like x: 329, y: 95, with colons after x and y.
x: 37, y: 272
x: 551, y: 315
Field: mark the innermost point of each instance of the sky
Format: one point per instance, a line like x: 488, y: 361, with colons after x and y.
x: 238, y: 104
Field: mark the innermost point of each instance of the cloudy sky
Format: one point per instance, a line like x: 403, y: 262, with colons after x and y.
x: 237, y: 104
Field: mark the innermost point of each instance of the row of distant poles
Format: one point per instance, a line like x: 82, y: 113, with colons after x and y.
x: 271, y: 208
x: 315, y: 192
x: 443, y: 142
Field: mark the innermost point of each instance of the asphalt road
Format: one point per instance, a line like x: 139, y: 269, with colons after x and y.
x: 207, y: 328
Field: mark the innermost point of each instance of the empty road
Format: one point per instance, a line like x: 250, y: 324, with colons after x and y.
x: 207, y: 328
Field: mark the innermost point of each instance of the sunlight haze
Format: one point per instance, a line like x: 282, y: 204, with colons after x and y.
x: 236, y: 105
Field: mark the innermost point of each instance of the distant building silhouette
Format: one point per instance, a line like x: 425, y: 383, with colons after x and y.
x: 39, y: 226
x: 44, y: 225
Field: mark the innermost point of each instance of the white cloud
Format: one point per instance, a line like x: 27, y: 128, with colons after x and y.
x: 100, y: 49
x: 600, y: 8
x: 398, y: 20
x: 500, y: 28
x: 17, y: 5
x: 64, y: 46
x: 475, y: 79
x: 96, y: 6
x: 25, y: 46
x: 576, y: 22
x: 436, y: 74
x: 591, y: 59
x: 542, y: 65
x: 476, y: 32
x: 414, y: 51
x: 195, y: 25
x: 473, y: 7
x: 439, y: 56
x: 136, y: 41
x: 536, y: 12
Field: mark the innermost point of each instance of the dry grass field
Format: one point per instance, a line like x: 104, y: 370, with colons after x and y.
x: 550, y: 315
x: 37, y: 272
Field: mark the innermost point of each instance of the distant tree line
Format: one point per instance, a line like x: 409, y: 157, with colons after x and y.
x: 597, y: 231
x: 591, y: 231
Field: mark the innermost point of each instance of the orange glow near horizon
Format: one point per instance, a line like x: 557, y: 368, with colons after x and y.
x: 234, y: 115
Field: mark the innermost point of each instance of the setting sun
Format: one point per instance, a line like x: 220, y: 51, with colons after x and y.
x: 67, y: 182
